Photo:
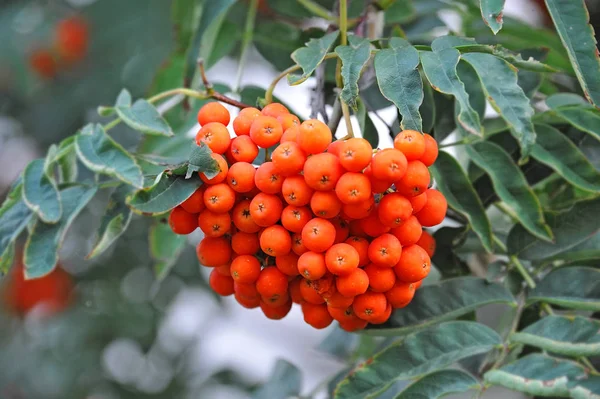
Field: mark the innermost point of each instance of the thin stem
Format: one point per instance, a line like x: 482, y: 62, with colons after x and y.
x: 343, y: 23
x: 466, y: 140
x: 346, y: 112
x: 205, y: 81
x: 267, y: 155
x: 526, y: 276
x: 183, y: 91
x: 112, y: 124
x: 546, y: 308
x: 586, y: 362
x: 316, y: 9
x: 247, y: 39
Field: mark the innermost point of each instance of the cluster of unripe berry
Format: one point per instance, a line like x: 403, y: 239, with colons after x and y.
x: 333, y: 226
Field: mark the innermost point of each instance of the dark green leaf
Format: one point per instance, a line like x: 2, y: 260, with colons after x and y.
x: 367, y: 127
x: 200, y: 161
x: 309, y: 57
x: 537, y: 375
x: 499, y: 80
x: 444, y: 42
x: 453, y: 182
x: 440, y: 383
x: 571, y: 336
x: 141, y: 116
x: 285, y: 381
x: 44, y: 241
x: 291, y: 9
x: 14, y: 217
x: 570, y: 287
x: 101, y: 154
x: 529, y: 63
x: 165, y: 248
x: 442, y: 301
x: 400, y: 81
x: 420, y: 353
x: 588, y: 388
x: 444, y: 112
x: 219, y: 41
x: 427, y: 108
x: 40, y: 192
x: 570, y: 228
x: 511, y: 186
x: 354, y: 59
x: 491, y: 11
x: 571, y: 20
x: 586, y: 251
x: 165, y: 194
x: 184, y: 17
x: 114, y: 222
x: 275, y: 41
x: 576, y: 112
x: 400, y: 12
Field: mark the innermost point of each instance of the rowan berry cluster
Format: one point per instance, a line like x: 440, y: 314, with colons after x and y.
x: 333, y: 226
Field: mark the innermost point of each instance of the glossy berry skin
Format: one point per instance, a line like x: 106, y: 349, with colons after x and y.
x: 182, y: 222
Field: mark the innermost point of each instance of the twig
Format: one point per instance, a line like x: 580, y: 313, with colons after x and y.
x: 524, y: 273
x: 205, y: 81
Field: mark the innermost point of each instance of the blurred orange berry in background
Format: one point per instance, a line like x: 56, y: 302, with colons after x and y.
x: 72, y: 38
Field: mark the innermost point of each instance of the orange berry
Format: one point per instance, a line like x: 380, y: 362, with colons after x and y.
x: 214, y: 224
x: 362, y: 247
x: 219, y: 198
x: 431, y: 151
x: 418, y: 284
x: 316, y: 316
x: 342, y: 314
x: 243, y: 149
x: 224, y: 270
x: 241, y: 125
x: 355, y: 154
x: 381, y: 279
x: 195, y: 203
x: 245, y: 290
x: 314, y: 136
x: 385, y: 250
x: 215, y: 135
x: 250, y: 112
x: 415, y: 181
x: 241, y: 177
x: 276, y: 312
x: 335, y: 147
x: 325, y: 204
x: 297, y: 244
x: 271, y: 284
x: 342, y: 230
x: 411, y: 143
x: 353, y: 284
x: 309, y: 294
x: 72, y: 38
x: 274, y: 110
x: 266, y: 131
x: 335, y: 300
x: 291, y: 134
x: 245, y: 243
x: 360, y: 210
x: 353, y: 325
x: 213, y: 252
x: 383, y: 317
x: 265, y: 209
x: 213, y: 112
x: 242, y: 218
x: 288, y: 120
x: 370, y: 305
x: 268, y: 179
x: 318, y: 235
x: 294, y: 288
x: 353, y: 188
x: 220, y: 284
x: 43, y: 63
x: 245, y: 269
x: 322, y: 171
x: 295, y: 191
x: 377, y: 186
x: 223, y: 169
x: 342, y: 259
x: 388, y: 165
x: 372, y: 226
x: 182, y: 222
x: 418, y: 202
x: 288, y: 158
x: 414, y: 264
x: 311, y: 265
x: 294, y: 218
x: 434, y: 211
x: 248, y: 303
x: 400, y: 294
x: 276, y: 301
x: 356, y: 229
x: 427, y: 242
x: 287, y: 264
x: 275, y: 241
x: 394, y: 209
x: 408, y: 232
x: 325, y: 286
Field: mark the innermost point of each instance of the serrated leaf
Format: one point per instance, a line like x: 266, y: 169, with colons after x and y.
x: 165, y: 194
x: 101, y: 154
x: 285, y: 381
x: 440, y: 68
x: 114, y: 222
x: 355, y: 57
x: 440, y: 383
x: 44, y: 241
x: 492, y: 13
x: 514, y: 58
x: 500, y: 83
x: 537, y: 375
x: 14, y: 217
x: 453, y: 182
x: 571, y: 287
x: 200, y: 161
x: 400, y: 81
x: 570, y: 336
x: 588, y: 388
x: 420, y: 353
x: 141, y: 116
x: 571, y: 19
x: 445, y: 300
x: 511, y: 186
x: 559, y: 153
x: 570, y: 228
x: 165, y: 248
x: 309, y: 57
x: 367, y: 127
x: 40, y: 193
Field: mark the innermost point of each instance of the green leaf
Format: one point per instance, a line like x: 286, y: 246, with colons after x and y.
x: 570, y: 336
x: 571, y: 19
x: 427, y: 109
x: 165, y: 194
x: 491, y: 11
x: 418, y: 354
x: 67, y: 165
x: 40, y: 193
x: 588, y: 388
x: 114, y: 222
x: 440, y: 68
x: 570, y: 287
x: 586, y: 251
x: 165, y: 248
x: 529, y: 63
x: 309, y: 57
x: 570, y: 228
x: 201, y: 161
x: 7, y: 259
x: 400, y: 12
x: 183, y: 15
x: 444, y: 123
x: 440, y: 383
x: 453, y: 182
x: 354, y: 58
x: 499, y: 80
x: 291, y: 9
x: 101, y: 154
x: 511, y: 186
x: 367, y: 127
x: 559, y: 153
x: 218, y: 40
x: 141, y: 116
x: 275, y: 41
x: 400, y: 81
x: 445, y: 300
x: 44, y: 241
x: 537, y: 375
x: 14, y: 217
x: 285, y: 381
x: 338, y: 343
x: 581, y: 115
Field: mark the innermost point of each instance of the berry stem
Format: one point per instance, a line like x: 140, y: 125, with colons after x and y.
x: 247, y: 39
x: 524, y: 273
x: 346, y: 112
x: 316, y: 9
